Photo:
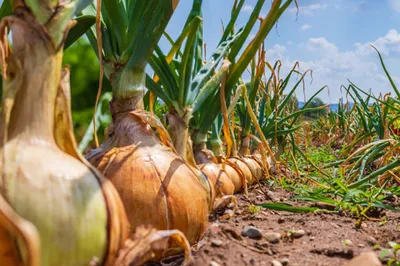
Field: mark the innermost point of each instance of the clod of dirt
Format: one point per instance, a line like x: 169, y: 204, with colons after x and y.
x: 334, y: 252
x: 252, y: 232
x: 365, y: 259
x: 298, y: 233
x: 231, y: 233
x: 276, y: 263
x: 272, y: 237
x: 216, y: 243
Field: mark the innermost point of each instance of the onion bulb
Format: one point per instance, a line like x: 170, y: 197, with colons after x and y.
x: 77, y: 214
x: 156, y: 186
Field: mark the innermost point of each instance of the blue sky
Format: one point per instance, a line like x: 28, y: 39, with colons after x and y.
x: 331, y: 37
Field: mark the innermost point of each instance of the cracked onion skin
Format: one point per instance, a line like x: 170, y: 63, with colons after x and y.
x: 156, y: 186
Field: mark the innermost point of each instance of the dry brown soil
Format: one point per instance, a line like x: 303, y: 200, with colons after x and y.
x: 329, y: 239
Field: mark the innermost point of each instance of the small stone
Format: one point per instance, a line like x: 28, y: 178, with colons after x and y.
x: 216, y: 242
x: 272, y: 237
x: 214, y: 263
x: 285, y: 261
x: 361, y: 245
x: 365, y: 259
x: 372, y: 241
x: 272, y: 196
x: 364, y: 225
x: 252, y: 232
x: 312, y: 238
x: 275, y: 263
x: 252, y: 262
x: 347, y: 242
x: 281, y: 220
x: 270, y: 252
x: 298, y: 233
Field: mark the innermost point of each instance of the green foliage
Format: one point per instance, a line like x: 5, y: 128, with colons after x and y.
x: 316, y: 102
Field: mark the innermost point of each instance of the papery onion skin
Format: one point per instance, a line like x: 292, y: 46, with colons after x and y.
x: 155, y: 184
x: 64, y: 201
x: 245, y: 170
x: 55, y: 191
x: 219, y: 179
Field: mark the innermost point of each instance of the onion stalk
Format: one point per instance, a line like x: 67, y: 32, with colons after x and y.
x: 157, y: 187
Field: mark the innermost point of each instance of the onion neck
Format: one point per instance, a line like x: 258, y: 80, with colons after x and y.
x: 179, y: 130
x: 34, y: 73
x: 245, y: 145
x: 128, y: 83
x: 216, y: 146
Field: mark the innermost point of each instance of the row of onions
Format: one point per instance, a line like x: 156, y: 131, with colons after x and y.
x: 59, y: 208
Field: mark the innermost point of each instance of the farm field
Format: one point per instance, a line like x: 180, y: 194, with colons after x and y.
x: 127, y: 138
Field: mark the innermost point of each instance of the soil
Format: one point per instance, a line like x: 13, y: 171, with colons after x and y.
x: 329, y: 239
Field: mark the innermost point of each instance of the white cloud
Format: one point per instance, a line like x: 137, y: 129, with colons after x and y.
x: 332, y: 66
x: 308, y: 10
x: 385, y: 44
x: 395, y: 5
x: 277, y: 51
x: 322, y: 45
x: 306, y: 27
x: 248, y: 9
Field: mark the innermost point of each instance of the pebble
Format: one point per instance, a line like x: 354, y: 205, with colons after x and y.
x: 216, y: 243
x: 361, y: 245
x: 213, y: 263
x: 272, y: 237
x: 365, y: 259
x: 372, y: 241
x: 285, y: 261
x: 348, y: 242
x: 271, y: 195
x: 298, y: 233
x: 252, y: 232
x: 281, y: 220
x: 275, y: 263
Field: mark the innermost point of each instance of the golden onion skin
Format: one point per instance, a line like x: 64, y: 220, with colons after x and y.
x: 156, y: 186
x: 254, y: 167
x: 245, y: 170
x: 220, y: 181
x: 63, y: 199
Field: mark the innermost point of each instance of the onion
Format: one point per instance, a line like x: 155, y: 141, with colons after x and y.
x: 244, y: 169
x: 219, y: 179
x: 44, y: 180
x: 254, y: 166
x: 155, y: 184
